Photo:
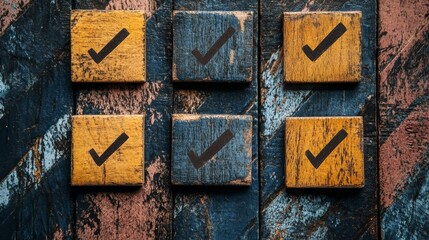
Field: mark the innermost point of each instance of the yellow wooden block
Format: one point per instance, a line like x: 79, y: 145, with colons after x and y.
x: 108, y: 46
x: 324, y: 152
x: 107, y: 150
x: 322, y: 47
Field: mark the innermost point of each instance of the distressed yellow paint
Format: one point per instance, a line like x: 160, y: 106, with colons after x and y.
x: 94, y: 29
x: 342, y: 60
x: 124, y: 166
x: 342, y: 168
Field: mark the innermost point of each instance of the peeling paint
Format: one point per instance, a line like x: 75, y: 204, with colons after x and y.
x: 4, y: 89
x: 137, y: 213
x: 10, y: 10
x: 148, y: 6
x: 401, y: 152
x: 130, y: 99
x: 45, y: 151
x: 275, y: 93
x: 190, y: 100
x: 292, y: 214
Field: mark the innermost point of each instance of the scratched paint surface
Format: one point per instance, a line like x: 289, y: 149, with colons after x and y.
x: 36, y: 103
x: 230, y: 165
x: 319, y: 214
x: 219, y: 212
x: 404, y: 119
x: 146, y: 212
x: 200, y: 30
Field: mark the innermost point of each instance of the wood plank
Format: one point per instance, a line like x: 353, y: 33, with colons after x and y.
x: 327, y: 46
x: 313, y: 213
x: 146, y: 212
x: 218, y: 212
x: 324, y: 152
x: 212, y: 46
x: 211, y: 150
x: 107, y: 150
x: 404, y: 119
x: 35, y: 109
x: 108, y: 46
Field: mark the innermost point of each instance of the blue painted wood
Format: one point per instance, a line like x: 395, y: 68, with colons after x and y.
x: 200, y: 30
x: 319, y: 214
x: 231, y: 165
x: 35, y: 106
x: 223, y: 212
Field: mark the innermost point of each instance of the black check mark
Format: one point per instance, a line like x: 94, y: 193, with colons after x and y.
x: 216, y: 146
x: 110, y: 46
x: 216, y: 46
x: 316, y: 161
x: 99, y: 160
x: 326, y: 43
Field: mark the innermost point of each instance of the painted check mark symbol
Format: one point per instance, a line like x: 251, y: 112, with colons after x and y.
x: 216, y: 46
x: 326, y: 43
x: 316, y: 161
x: 110, y: 46
x: 216, y: 146
x: 99, y: 160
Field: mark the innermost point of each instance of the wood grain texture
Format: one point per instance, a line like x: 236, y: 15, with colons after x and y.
x: 343, y: 167
x: 10, y: 11
x: 403, y: 108
x: 124, y: 166
x: 313, y: 213
x: 200, y: 30
x: 231, y: 165
x: 92, y: 29
x: 35, y: 109
x: 146, y: 212
x: 218, y: 212
x: 341, y: 62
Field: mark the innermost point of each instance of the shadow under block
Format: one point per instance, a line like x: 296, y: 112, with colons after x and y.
x: 322, y: 47
x: 212, y: 149
x: 108, y: 46
x: 324, y: 152
x: 212, y: 46
x: 107, y: 150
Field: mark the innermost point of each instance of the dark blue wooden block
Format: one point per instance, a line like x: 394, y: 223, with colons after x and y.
x: 212, y: 46
x: 212, y: 150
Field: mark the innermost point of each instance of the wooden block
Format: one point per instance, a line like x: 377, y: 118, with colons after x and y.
x: 212, y: 46
x: 324, y: 152
x: 108, y: 46
x: 107, y: 150
x: 322, y: 47
x: 211, y: 150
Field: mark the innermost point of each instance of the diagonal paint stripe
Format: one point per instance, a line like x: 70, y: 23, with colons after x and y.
x: 4, y: 89
x: 401, y: 152
x: 44, y: 154
x: 10, y: 10
x: 276, y: 94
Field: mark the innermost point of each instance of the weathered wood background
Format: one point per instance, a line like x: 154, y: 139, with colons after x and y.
x: 37, y: 100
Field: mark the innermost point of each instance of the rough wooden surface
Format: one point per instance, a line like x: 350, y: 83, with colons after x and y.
x: 36, y: 102
x: 123, y: 166
x: 219, y: 212
x: 228, y: 164
x: 10, y: 11
x: 319, y: 214
x: 341, y: 62
x: 200, y: 30
x: 35, y: 107
x: 342, y: 166
x: 146, y: 212
x: 93, y: 30
x: 404, y: 119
